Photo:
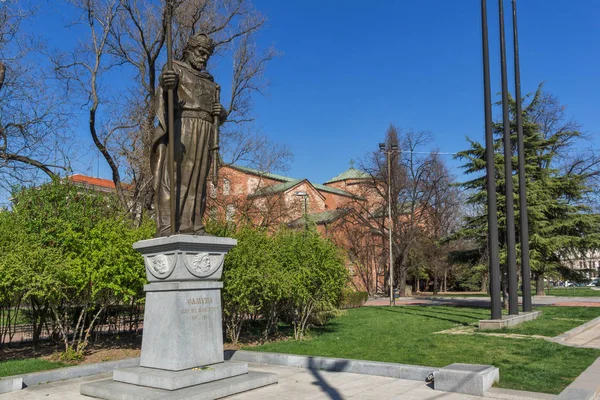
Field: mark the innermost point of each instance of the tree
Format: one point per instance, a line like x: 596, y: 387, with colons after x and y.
x: 33, y: 124
x: 131, y: 34
x: 254, y: 283
x: 81, y: 258
x: 423, y: 200
x: 558, y: 189
x: 314, y: 268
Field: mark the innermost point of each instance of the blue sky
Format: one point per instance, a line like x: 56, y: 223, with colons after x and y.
x: 350, y: 68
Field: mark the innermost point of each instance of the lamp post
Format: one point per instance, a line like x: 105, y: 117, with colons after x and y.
x: 388, y: 152
x: 305, y: 195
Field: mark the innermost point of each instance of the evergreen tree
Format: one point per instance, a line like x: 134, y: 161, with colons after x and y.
x: 561, y: 223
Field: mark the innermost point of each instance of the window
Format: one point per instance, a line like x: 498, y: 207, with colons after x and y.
x: 213, y: 191
x: 230, y: 213
x: 226, y: 186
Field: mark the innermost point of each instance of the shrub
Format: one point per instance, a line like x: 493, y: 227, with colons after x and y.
x: 354, y: 299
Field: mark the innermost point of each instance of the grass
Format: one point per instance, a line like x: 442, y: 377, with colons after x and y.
x: 556, y: 320
x: 23, y: 318
x: 406, y: 335
x: 18, y: 367
x: 573, y: 292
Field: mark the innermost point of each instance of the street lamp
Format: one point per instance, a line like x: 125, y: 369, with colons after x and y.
x: 305, y: 195
x: 388, y: 152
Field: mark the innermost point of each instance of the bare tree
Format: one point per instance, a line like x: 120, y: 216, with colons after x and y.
x: 32, y: 120
x: 418, y: 183
x: 82, y: 70
x: 136, y: 40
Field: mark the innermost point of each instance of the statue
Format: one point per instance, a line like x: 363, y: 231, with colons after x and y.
x: 197, y: 115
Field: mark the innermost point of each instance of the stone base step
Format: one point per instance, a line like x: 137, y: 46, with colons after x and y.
x: 173, y: 380
x: 111, y: 390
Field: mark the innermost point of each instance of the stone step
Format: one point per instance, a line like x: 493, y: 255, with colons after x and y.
x: 111, y: 390
x: 173, y: 380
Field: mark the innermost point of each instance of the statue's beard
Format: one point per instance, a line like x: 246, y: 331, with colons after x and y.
x: 198, y: 65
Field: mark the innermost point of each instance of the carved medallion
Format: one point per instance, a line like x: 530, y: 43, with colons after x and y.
x: 161, y: 265
x: 201, y: 263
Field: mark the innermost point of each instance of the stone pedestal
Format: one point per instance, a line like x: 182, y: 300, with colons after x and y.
x: 182, y: 325
x: 182, y: 344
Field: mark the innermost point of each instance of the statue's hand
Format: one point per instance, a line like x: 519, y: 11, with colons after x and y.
x: 217, y: 110
x: 169, y: 80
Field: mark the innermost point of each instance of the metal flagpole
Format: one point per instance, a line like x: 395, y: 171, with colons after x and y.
x: 524, y: 221
x: 494, y: 265
x: 171, y: 127
x: 513, y: 301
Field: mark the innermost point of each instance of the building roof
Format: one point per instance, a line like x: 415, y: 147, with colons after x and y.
x: 351, y: 173
x: 88, y: 180
x: 321, y: 218
x: 253, y: 171
x: 97, y: 183
x: 337, y: 191
x: 280, y: 187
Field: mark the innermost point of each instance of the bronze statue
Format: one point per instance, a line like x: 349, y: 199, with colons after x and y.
x: 197, y: 113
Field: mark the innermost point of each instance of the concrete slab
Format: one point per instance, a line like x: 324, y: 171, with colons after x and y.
x: 393, y: 370
x: 78, y: 371
x: 110, y: 390
x: 466, y: 378
x: 508, y: 321
x: 509, y: 394
x: 173, y: 380
x: 10, y: 384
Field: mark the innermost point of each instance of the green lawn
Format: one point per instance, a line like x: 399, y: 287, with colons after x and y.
x: 406, y: 335
x: 556, y: 320
x: 18, y: 367
x: 573, y: 292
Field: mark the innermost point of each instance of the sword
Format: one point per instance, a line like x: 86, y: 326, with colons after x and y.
x: 215, y: 149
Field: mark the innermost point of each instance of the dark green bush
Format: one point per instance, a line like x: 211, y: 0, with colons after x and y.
x: 354, y: 299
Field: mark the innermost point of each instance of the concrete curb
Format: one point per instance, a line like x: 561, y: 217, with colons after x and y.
x: 509, y: 394
x: 585, y: 386
x: 575, y: 331
x: 390, y: 370
x: 18, y: 382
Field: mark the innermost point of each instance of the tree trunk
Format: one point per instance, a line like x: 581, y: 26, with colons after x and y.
x: 445, y: 289
x: 401, y: 277
x: 539, y: 286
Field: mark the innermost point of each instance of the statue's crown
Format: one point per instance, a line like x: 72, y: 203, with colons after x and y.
x: 201, y: 40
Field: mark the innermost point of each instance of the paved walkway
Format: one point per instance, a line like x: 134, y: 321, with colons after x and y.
x: 297, y: 383
x: 589, y: 338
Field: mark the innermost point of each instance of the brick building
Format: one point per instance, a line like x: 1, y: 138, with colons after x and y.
x: 268, y: 200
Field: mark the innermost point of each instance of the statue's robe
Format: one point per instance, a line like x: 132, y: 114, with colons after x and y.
x: 194, y: 130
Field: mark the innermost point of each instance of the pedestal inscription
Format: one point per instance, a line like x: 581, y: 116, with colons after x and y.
x: 182, y: 328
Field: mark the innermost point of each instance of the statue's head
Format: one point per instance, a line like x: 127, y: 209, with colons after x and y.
x: 198, y: 50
